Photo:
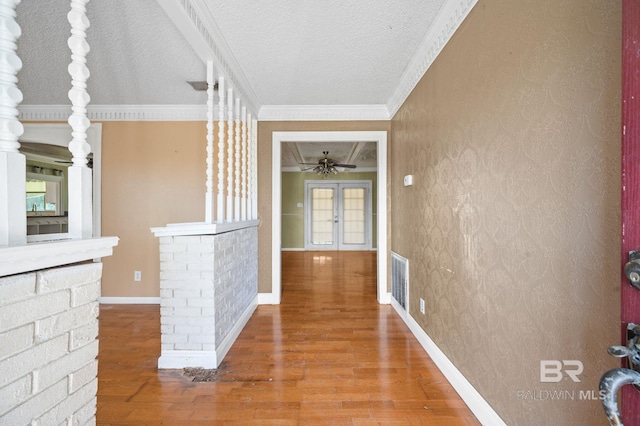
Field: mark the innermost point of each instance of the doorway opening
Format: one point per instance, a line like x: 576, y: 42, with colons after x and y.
x: 377, y: 137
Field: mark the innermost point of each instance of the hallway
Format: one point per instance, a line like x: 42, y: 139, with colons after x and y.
x: 329, y: 354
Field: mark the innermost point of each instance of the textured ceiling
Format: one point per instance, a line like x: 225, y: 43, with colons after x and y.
x: 330, y: 52
x: 137, y: 56
x: 301, y: 52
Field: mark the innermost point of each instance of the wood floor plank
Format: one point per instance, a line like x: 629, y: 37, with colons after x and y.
x: 329, y: 354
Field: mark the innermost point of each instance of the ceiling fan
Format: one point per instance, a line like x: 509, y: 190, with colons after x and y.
x: 326, y: 166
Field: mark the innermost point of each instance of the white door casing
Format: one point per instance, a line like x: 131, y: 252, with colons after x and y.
x: 380, y: 138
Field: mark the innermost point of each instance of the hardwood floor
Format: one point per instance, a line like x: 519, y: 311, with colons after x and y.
x: 329, y: 354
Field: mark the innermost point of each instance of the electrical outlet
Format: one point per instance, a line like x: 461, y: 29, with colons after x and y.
x: 421, y: 305
x: 137, y: 275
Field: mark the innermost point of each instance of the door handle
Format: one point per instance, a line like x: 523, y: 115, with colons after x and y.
x: 610, y: 383
x: 632, y: 268
x: 613, y: 380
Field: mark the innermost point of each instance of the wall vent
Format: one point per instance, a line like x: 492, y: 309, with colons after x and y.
x: 399, y: 279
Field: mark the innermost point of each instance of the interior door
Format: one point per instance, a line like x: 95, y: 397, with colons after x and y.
x: 354, y: 222
x: 630, y: 297
x: 321, y: 217
x: 338, y: 215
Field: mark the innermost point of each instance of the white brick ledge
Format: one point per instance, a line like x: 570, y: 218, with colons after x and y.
x: 201, y: 228
x: 35, y: 256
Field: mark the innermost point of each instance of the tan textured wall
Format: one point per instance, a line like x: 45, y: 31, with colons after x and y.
x: 153, y: 173
x: 512, y: 225
x: 265, y: 129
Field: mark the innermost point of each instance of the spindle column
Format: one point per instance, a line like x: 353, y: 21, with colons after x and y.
x: 80, y: 176
x: 13, y: 216
x: 209, y: 198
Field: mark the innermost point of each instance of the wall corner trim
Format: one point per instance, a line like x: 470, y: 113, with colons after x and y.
x: 476, y: 403
x: 385, y: 298
x: 266, y: 299
x: 449, y: 18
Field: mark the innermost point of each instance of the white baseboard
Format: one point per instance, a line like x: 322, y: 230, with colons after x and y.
x: 293, y: 249
x: 227, y: 342
x: 476, y: 403
x: 130, y: 300
x: 385, y: 298
x: 207, y: 359
x: 182, y: 359
x: 400, y: 311
x: 266, y: 299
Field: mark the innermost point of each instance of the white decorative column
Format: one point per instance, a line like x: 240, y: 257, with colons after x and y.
x: 209, y: 202
x: 229, y: 174
x: 254, y: 169
x: 220, y: 215
x: 13, y: 216
x: 250, y: 167
x: 243, y: 207
x: 80, y: 176
x: 237, y: 189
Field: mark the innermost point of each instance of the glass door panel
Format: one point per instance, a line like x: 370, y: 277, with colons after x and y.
x: 322, y: 216
x: 353, y: 216
x: 338, y: 215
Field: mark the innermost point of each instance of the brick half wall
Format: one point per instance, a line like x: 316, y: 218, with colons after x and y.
x: 208, y: 291
x: 48, y: 346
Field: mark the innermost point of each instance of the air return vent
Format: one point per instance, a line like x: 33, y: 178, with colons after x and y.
x: 399, y: 279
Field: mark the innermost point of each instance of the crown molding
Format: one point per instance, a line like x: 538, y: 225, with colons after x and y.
x: 448, y: 20
x: 199, y: 112
x: 194, y: 20
x: 117, y: 112
x: 323, y: 112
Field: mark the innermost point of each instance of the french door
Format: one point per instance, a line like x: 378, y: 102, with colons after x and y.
x: 338, y: 215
